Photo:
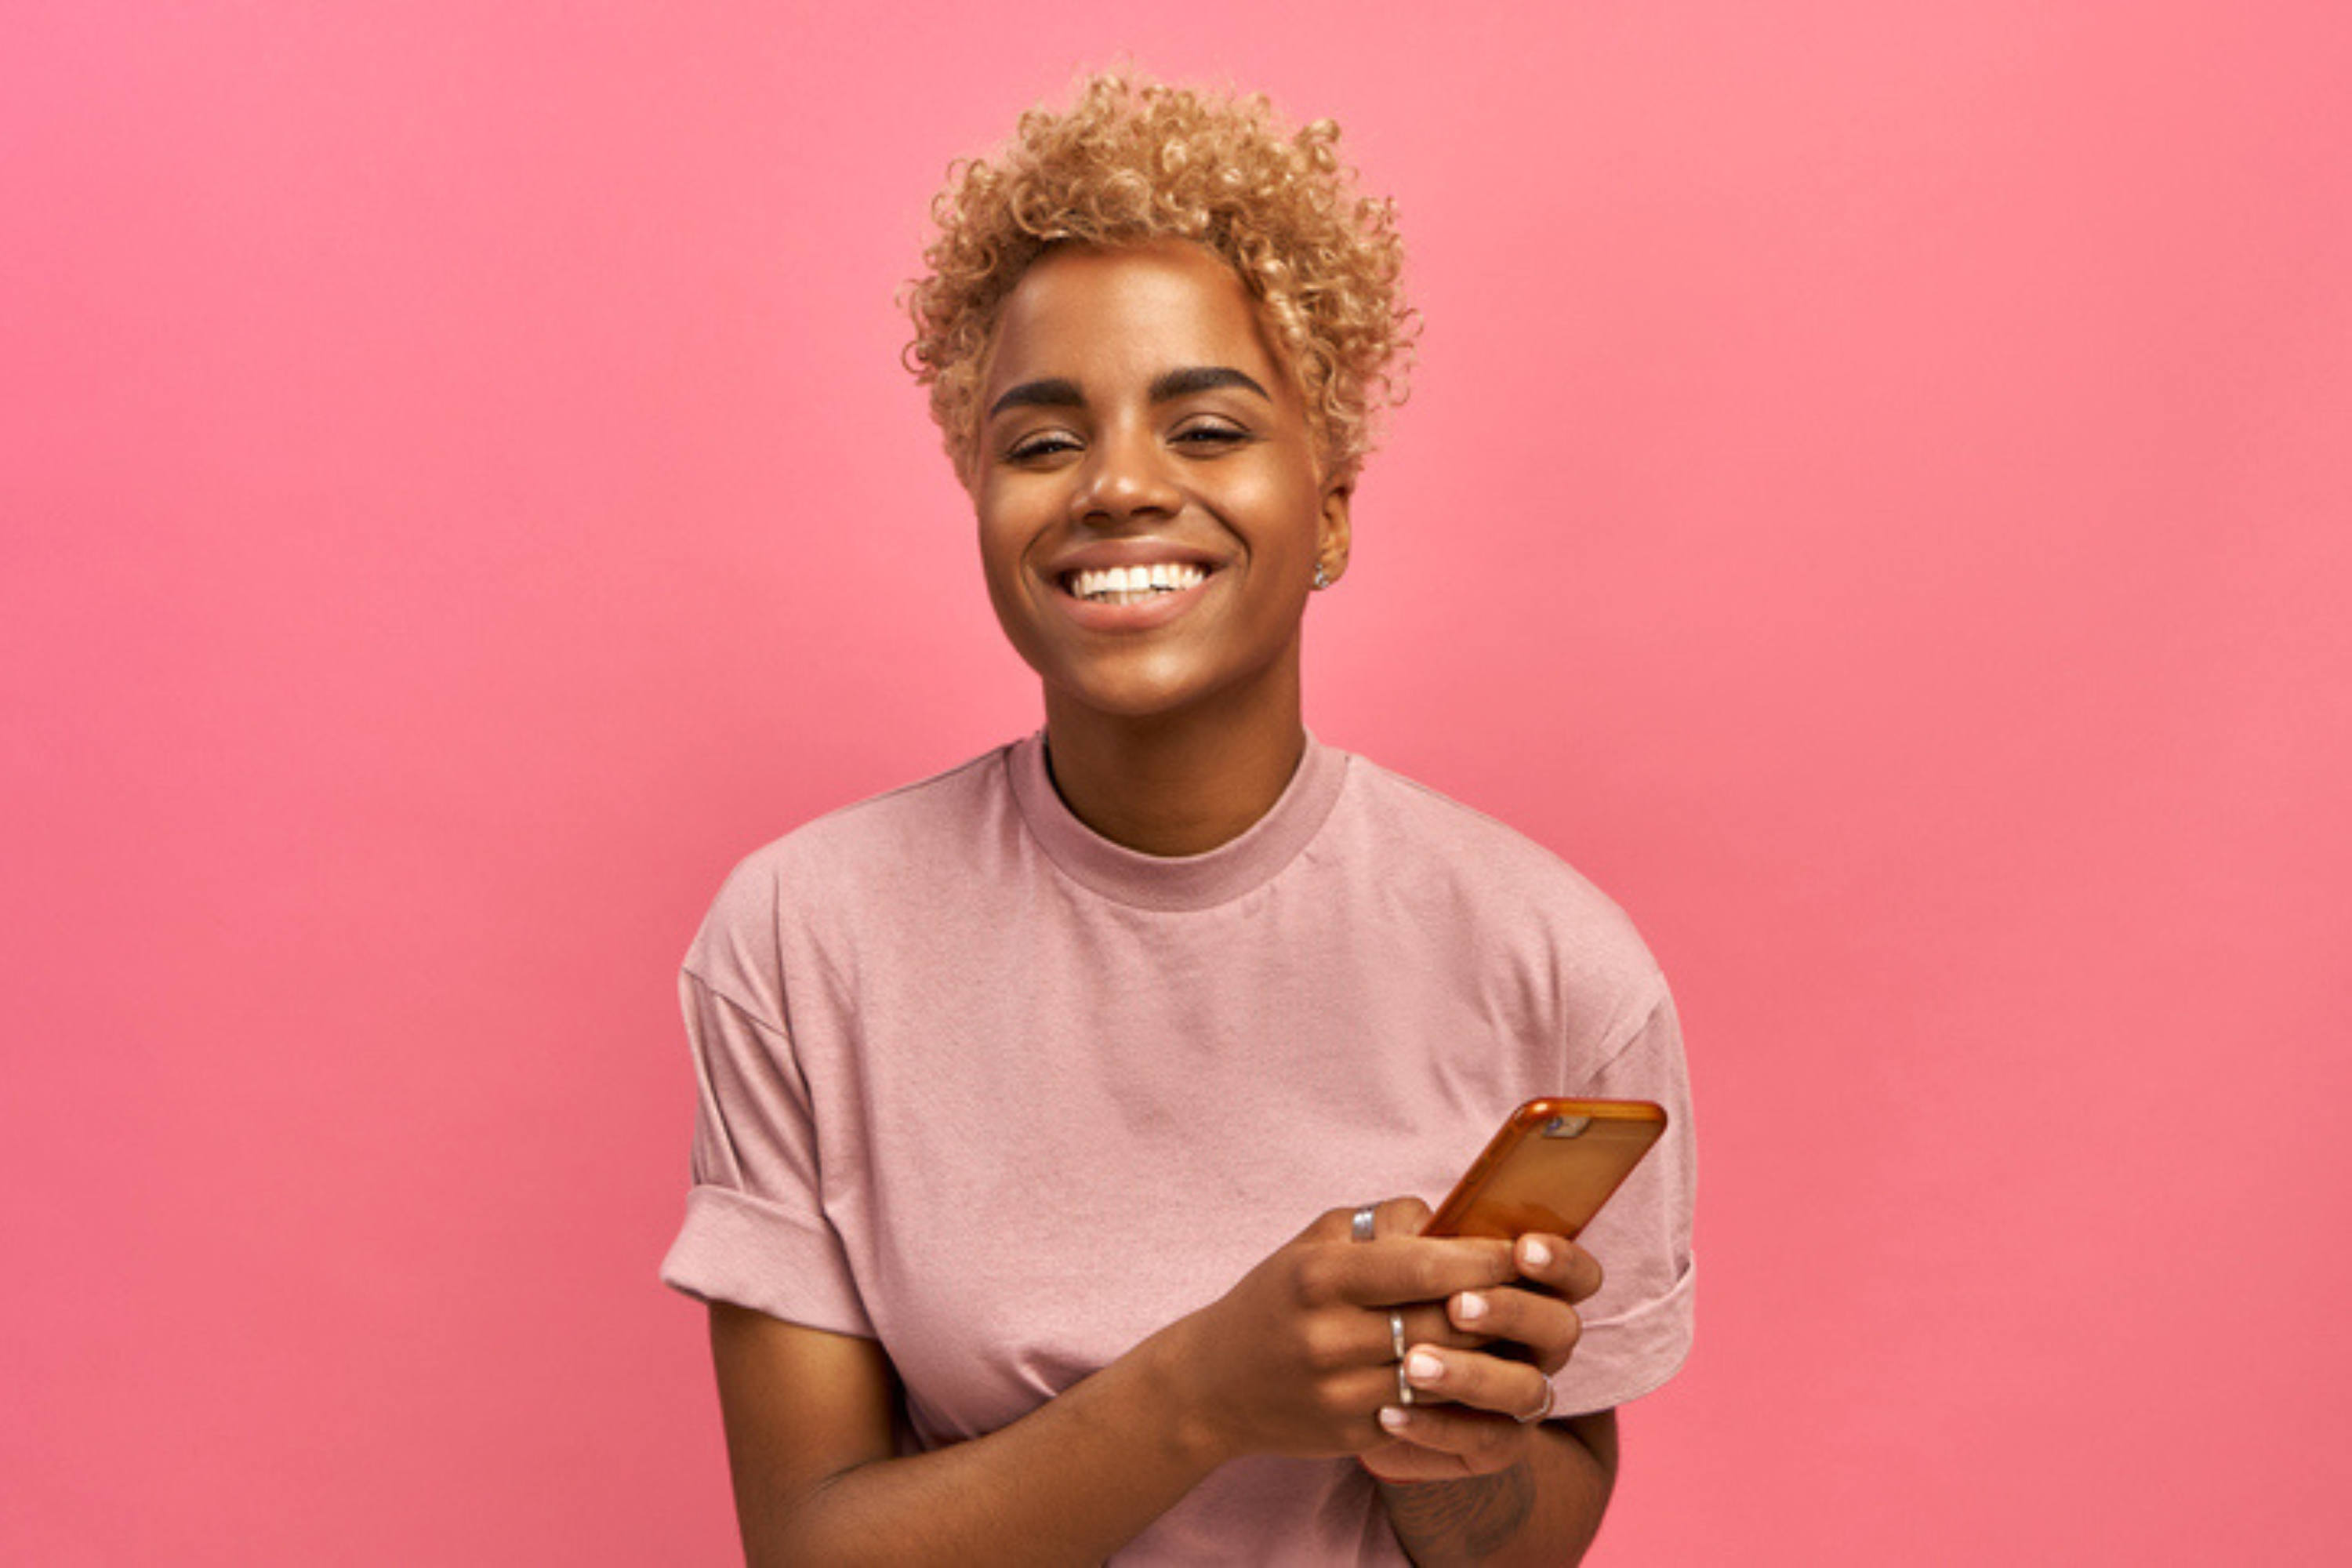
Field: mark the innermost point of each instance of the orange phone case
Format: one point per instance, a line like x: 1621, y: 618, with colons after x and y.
x: 1550, y: 1168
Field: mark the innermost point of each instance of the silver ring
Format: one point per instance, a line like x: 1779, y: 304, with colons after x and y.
x: 1361, y: 1227
x: 1544, y: 1410
x: 1404, y: 1389
x: 1396, y: 1332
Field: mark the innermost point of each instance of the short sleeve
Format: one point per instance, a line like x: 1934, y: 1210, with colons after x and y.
x: 1637, y: 1329
x: 755, y: 1231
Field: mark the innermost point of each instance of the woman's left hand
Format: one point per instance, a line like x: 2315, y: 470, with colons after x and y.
x: 1474, y: 1411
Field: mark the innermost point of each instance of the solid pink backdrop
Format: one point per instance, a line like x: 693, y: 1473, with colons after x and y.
x: 1875, y: 496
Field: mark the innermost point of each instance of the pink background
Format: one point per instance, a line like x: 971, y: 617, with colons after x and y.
x: 1877, y: 497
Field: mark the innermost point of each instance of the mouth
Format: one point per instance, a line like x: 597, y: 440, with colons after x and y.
x: 1132, y: 584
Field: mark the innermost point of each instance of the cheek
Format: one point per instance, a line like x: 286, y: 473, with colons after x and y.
x: 1295, y: 514
x: 1001, y: 571
x: 1002, y: 558
x: 1000, y: 539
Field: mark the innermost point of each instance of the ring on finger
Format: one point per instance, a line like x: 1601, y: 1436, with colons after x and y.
x: 1541, y: 1410
x: 1360, y: 1227
x: 1396, y: 1332
x: 1404, y: 1389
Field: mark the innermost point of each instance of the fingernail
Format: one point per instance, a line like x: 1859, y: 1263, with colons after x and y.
x: 1422, y: 1367
x: 1538, y: 1255
x: 1395, y: 1417
x: 1470, y: 1306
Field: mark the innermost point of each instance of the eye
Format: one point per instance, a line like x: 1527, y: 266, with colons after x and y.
x: 1035, y: 448
x: 1210, y: 435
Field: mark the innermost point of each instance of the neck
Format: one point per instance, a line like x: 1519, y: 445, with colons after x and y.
x: 1174, y: 784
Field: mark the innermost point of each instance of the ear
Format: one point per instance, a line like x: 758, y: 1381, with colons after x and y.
x: 1332, y: 537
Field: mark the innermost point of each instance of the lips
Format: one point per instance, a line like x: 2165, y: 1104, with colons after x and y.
x: 1126, y: 586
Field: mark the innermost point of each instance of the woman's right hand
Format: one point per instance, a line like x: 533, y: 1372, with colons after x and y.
x: 1299, y: 1356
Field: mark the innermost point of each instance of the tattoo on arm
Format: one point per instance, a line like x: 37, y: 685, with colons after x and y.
x: 1472, y: 1518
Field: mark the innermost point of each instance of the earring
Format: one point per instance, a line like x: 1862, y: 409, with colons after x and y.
x: 1322, y: 576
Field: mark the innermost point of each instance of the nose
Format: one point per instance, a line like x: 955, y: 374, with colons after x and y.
x: 1125, y: 475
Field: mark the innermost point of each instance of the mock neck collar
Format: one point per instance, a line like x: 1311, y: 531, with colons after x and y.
x: 1176, y: 881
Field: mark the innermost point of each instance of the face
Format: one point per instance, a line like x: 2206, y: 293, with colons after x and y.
x: 1151, y: 510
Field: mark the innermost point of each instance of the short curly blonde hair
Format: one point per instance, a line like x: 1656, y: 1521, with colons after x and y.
x: 1135, y: 160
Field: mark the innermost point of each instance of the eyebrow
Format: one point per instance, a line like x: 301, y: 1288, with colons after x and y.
x: 1202, y: 378
x: 1060, y: 392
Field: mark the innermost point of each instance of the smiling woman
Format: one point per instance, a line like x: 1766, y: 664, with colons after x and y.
x: 1018, y: 1085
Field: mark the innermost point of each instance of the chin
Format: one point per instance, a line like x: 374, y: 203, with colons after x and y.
x: 1130, y: 702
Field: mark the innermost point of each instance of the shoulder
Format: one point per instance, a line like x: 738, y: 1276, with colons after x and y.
x: 856, y: 855
x: 1473, y: 868
x: 887, y: 825
x: 1428, y: 831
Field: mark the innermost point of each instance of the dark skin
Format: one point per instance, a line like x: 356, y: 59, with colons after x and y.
x: 1138, y: 419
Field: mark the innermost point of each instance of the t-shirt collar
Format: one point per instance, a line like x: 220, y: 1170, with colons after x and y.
x: 1177, y: 882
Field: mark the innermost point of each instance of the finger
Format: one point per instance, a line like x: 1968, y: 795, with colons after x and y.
x: 1471, y: 1442
x: 1363, y: 1370
x: 1416, y: 1269
x: 1385, y: 1342
x: 1474, y: 1379
x: 1390, y: 1217
x: 1547, y: 1326
x: 1557, y: 1264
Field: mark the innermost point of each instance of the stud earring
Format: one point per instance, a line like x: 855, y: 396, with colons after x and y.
x: 1322, y: 576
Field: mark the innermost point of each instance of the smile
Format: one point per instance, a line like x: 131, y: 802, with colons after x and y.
x: 1133, y: 584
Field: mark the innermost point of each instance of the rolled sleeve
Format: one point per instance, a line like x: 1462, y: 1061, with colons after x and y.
x: 737, y: 1249
x: 1621, y: 1359
x: 1638, y: 1328
x: 755, y: 1233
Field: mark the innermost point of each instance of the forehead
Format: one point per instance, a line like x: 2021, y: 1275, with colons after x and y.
x: 1103, y: 315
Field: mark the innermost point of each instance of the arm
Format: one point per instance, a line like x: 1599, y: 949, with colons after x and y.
x: 1468, y: 1480
x: 809, y: 1443
x: 1296, y: 1359
x: 1544, y: 1507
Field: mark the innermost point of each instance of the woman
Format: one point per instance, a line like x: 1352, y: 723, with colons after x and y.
x: 1018, y: 1085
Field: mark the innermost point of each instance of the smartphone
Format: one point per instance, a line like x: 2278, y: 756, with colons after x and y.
x: 1550, y: 1168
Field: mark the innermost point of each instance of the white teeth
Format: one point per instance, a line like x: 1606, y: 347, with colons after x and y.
x: 1120, y: 582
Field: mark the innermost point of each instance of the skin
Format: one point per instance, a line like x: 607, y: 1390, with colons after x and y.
x: 1136, y: 410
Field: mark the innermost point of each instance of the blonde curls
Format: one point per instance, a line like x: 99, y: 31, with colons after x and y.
x: 1134, y: 160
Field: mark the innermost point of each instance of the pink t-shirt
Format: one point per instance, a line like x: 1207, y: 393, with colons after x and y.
x: 1008, y: 1098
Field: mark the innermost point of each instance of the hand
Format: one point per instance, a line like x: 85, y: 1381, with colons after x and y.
x: 1298, y: 1357
x: 1470, y: 1402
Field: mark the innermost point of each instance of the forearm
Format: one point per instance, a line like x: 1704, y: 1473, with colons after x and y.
x: 1071, y: 1481
x: 1544, y: 1510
